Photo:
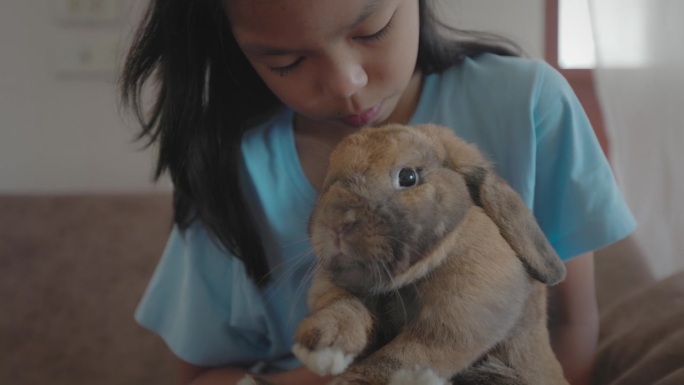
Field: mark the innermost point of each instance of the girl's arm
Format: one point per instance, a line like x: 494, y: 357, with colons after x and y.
x: 197, y: 375
x: 574, y: 335
x: 574, y: 320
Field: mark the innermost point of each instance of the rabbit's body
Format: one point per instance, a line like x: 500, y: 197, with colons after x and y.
x: 417, y: 278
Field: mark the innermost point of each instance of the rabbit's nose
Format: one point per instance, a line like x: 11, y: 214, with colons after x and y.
x: 340, y: 232
x: 343, y: 228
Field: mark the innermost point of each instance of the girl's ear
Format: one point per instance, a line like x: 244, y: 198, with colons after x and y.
x: 501, y: 203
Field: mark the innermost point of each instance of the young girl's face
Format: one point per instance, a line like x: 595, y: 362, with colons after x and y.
x: 345, y: 62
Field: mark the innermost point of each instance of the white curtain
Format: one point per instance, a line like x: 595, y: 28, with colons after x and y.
x: 640, y: 85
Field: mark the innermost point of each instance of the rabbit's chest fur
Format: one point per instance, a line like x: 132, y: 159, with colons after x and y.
x: 393, y: 311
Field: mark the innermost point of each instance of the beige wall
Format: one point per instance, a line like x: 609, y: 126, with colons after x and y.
x: 519, y: 20
x: 62, y: 132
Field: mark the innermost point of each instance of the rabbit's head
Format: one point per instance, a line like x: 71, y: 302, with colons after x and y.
x: 390, y: 196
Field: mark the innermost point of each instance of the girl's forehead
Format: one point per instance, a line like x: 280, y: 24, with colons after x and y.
x: 250, y: 14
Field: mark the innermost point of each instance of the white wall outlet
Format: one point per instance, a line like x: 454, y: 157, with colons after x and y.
x: 87, y: 11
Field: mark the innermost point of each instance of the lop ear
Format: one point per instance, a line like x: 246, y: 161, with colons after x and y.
x: 502, y: 204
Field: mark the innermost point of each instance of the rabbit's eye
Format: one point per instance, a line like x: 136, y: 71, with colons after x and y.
x: 407, y: 177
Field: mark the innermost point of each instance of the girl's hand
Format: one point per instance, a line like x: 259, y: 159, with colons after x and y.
x: 196, y: 375
x: 299, y: 376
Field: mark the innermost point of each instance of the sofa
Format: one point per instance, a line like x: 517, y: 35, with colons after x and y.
x: 73, y: 267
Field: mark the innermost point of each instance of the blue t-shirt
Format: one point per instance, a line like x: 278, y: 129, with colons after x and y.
x: 520, y: 113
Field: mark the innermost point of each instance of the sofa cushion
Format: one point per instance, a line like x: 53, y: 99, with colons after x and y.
x: 642, y: 337
x: 72, y: 269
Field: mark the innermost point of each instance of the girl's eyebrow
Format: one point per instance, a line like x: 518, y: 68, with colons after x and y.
x: 369, y: 9
x: 263, y: 50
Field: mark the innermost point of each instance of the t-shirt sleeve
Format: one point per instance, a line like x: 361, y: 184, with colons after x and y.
x: 577, y: 201
x: 202, y: 304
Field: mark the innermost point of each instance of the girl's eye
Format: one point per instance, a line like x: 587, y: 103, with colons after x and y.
x: 378, y: 35
x: 407, y: 177
x: 284, y: 70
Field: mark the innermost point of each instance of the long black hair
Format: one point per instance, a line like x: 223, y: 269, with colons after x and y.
x: 207, y: 95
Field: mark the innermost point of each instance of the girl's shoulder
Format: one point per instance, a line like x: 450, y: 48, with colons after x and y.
x: 497, y: 64
x: 492, y: 88
x: 501, y: 77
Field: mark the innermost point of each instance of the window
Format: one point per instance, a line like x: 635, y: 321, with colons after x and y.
x: 627, y: 27
x: 576, y: 49
x: 578, y: 70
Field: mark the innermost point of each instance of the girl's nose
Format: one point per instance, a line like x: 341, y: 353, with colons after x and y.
x: 345, y: 79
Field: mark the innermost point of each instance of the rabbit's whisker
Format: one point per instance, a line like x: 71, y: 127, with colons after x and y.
x: 302, y: 286
x: 284, y: 271
x: 412, y: 249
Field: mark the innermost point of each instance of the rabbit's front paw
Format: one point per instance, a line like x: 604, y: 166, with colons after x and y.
x: 327, y: 342
x: 416, y: 377
x: 253, y: 380
x: 360, y: 376
x: 323, y: 361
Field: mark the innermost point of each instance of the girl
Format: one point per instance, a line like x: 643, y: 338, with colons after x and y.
x: 251, y: 97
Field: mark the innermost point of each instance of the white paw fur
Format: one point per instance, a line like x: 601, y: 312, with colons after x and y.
x: 247, y: 380
x: 323, y: 361
x: 416, y: 377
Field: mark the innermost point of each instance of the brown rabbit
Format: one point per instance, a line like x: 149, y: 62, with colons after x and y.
x: 430, y: 268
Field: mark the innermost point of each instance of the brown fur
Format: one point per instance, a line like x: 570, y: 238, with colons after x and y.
x: 447, y: 275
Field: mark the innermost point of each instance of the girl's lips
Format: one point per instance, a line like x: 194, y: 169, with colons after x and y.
x: 363, y: 118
